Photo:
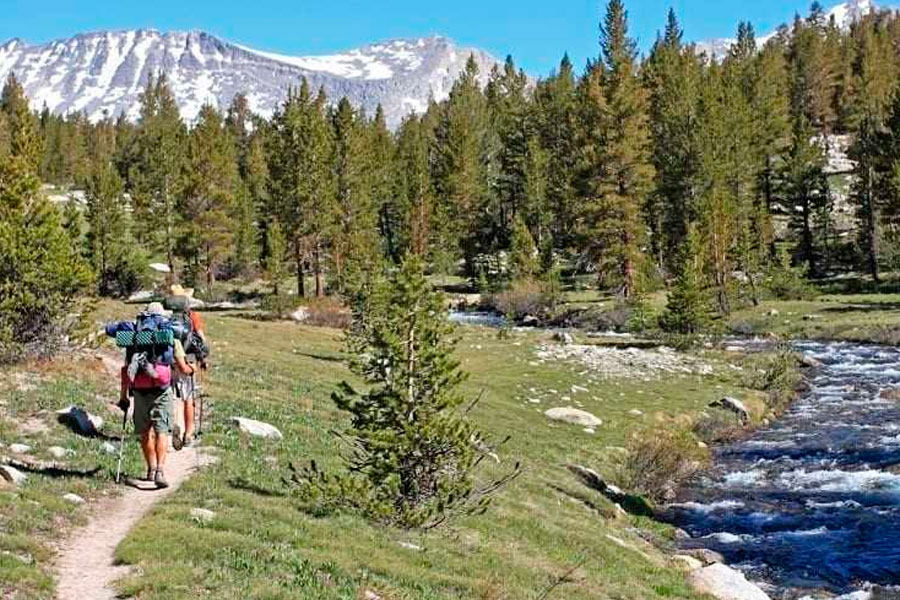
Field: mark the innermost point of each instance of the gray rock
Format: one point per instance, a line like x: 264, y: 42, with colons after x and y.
x: 410, y: 546
x: 141, y: 296
x: 84, y: 422
x: 73, y: 498
x: 574, y: 416
x: 58, y: 452
x: 724, y: 583
x: 530, y: 321
x: 108, y: 448
x: 688, y: 563
x: 20, y: 448
x: 809, y: 361
x: 773, y: 312
x: 706, y: 556
x: 256, y: 428
x: 12, y: 475
x: 160, y: 267
x: 300, y: 315
x: 734, y: 405
x: 202, y: 515
x: 635, y: 412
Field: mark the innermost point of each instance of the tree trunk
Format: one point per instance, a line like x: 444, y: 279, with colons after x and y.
x: 320, y: 289
x: 298, y: 258
x: 872, y: 226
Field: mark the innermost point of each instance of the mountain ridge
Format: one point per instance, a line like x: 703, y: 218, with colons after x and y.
x: 103, y: 72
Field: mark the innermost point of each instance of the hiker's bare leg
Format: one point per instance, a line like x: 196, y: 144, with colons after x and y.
x: 162, y: 448
x: 148, y: 447
x: 189, y: 417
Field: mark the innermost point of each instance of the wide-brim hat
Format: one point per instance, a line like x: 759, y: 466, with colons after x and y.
x: 177, y: 290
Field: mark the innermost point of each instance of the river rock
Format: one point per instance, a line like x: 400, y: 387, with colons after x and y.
x: 635, y: 412
x: 564, y: 337
x: 73, y: 498
x: 574, y: 416
x: 734, y: 405
x: 688, y: 563
x: 84, y: 422
x: 809, y: 361
x: 202, y: 515
x: 724, y: 583
x: 12, y: 475
x: 256, y: 428
x: 530, y: 321
x: 705, y: 555
x: 19, y: 448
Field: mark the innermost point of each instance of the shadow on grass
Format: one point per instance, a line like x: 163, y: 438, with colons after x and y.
x: 860, y: 307
x: 248, y: 486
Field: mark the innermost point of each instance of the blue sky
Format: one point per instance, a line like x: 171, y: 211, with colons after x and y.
x: 535, y: 32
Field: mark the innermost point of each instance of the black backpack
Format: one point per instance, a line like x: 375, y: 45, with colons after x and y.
x: 181, y: 314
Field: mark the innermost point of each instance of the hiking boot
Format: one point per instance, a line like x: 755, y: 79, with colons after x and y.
x: 178, y: 442
x: 151, y: 473
x: 188, y: 440
x: 160, y: 479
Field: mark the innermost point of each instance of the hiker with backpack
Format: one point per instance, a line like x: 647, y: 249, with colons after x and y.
x: 192, y: 347
x: 146, y: 379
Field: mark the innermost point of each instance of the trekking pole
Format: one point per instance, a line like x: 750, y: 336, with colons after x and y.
x: 122, y: 445
x: 199, y: 392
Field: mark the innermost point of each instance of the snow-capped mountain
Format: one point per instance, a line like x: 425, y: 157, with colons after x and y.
x: 105, y: 72
x: 844, y: 15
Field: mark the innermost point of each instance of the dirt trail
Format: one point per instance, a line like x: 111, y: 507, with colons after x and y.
x: 84, y: 566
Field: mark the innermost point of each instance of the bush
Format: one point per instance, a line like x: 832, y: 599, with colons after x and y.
x: 328, y: 312
x: 523, y: 298
x: 777, y: 373
x: 718, y: 427
x: 657, y: 464
x: 786, y: 282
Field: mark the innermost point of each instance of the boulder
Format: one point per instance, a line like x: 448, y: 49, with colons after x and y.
x: 19, y: 448
x: 160, y: 267
x: 410, y: 546
x: 688, y: 563
x: 630, y: 503
x: 574, y: 416
x: 300, y: 315
x: 705, y: 555
x: 12, y: 475
x: 734, y: 405
x: 84, y: 422
x: 530, y: 321
x: 809, y: 361
x: 773, y: 312
x: 635, y: 412
x: 724, y: 583
x: 73, y: 498
x: 202, y: 515
x: 256, y: 428
x: 108, y: 448
x: 58, y: 452
x: 141, y: 296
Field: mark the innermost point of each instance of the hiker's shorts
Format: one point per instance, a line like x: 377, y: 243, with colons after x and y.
x: 184, y: 387
x: 153, y: 408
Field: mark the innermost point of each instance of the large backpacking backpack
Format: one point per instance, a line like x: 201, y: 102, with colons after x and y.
x: 149, y: 340
x: 190, y: 339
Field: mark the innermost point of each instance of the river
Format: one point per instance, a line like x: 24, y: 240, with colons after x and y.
x: 809, y: 507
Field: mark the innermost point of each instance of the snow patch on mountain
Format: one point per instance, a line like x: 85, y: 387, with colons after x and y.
x: 104, y: 73
x: 844, y: 14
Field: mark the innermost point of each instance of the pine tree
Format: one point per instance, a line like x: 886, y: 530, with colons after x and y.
x: 410, y: 218
x: 414, y: 451
x: 211, y: 188
x: 355, y: 246
x: 524, y: 260
x: 620, y: 178
x: 672, y: 74
x: 461, y: 168
x: 156, y: 170
x: 301, y: 179
x: 276, y: 258
x: 687, y: 307
x: 40, y: 275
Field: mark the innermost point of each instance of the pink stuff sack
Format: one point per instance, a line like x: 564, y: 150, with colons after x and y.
x: 142, y: 381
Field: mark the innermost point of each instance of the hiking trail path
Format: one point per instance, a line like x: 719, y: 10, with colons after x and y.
x: 84, y: 565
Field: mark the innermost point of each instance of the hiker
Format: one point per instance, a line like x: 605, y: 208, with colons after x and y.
x: 192, y: 348
x: 146, y: 380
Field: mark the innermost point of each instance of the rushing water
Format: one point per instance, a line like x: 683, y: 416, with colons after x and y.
x: 812, y: 502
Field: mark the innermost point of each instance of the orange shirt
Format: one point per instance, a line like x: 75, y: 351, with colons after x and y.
x: 196, y: 321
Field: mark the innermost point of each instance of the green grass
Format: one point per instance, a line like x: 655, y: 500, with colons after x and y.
x: 856, y: 317
x: 261, y: 546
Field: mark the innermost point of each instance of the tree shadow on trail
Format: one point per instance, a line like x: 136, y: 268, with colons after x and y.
x: 249, y: 486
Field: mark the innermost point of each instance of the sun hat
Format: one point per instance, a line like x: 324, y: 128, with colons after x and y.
x: 177, y: 290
